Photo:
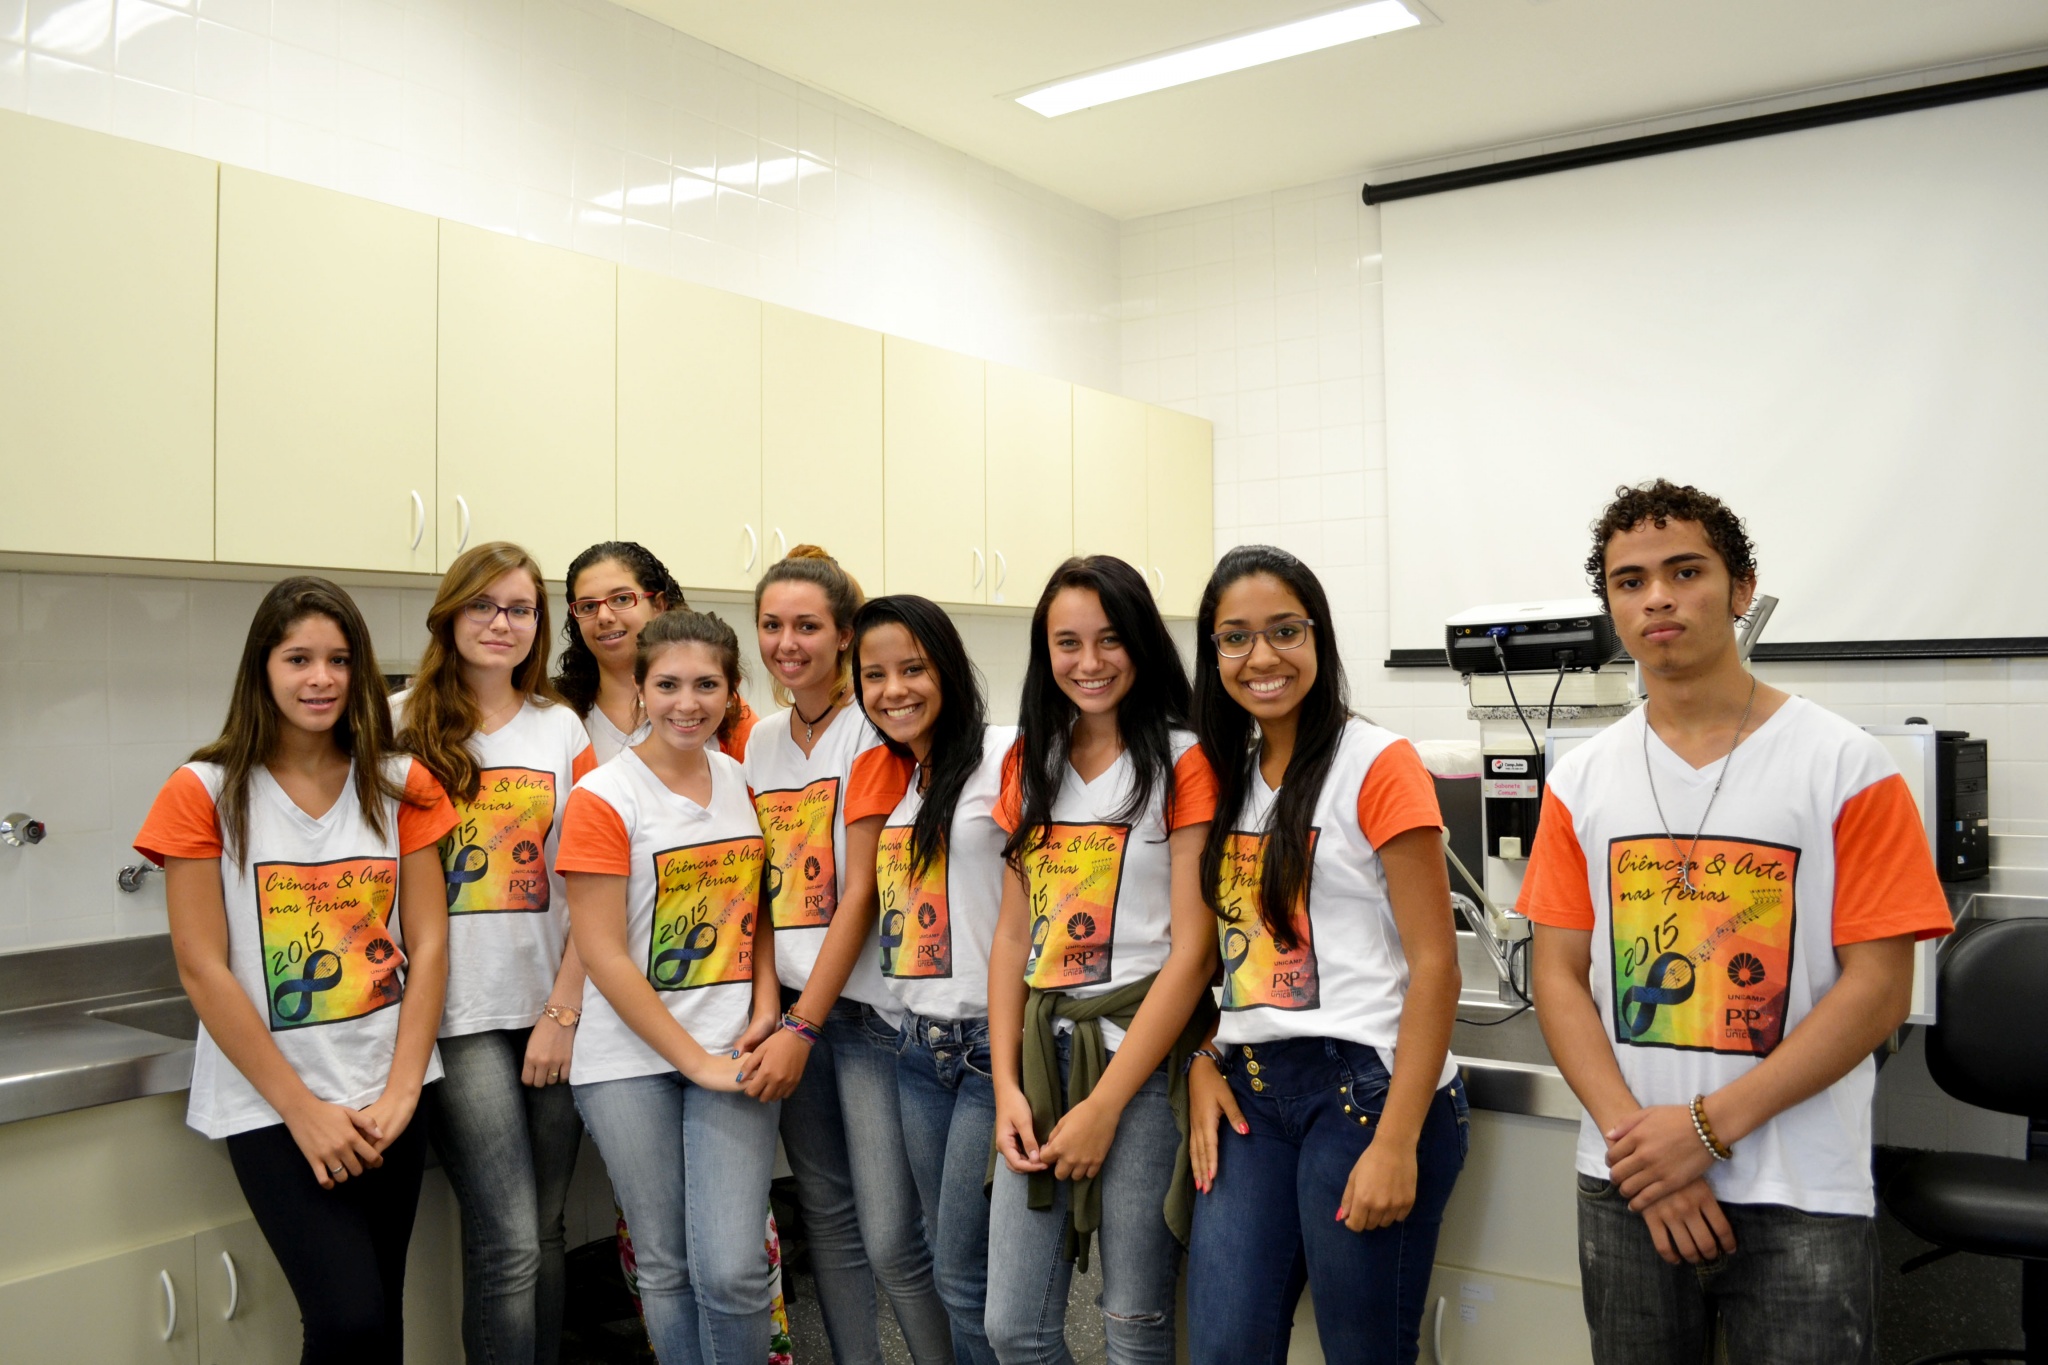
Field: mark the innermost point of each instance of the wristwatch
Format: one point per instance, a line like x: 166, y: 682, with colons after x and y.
x: 565, y: 1015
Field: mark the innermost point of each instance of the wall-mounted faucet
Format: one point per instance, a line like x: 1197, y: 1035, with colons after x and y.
x: 21, y: 830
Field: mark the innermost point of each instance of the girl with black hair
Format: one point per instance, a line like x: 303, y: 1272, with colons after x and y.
x: 1103, y: 954
x: 311, y: 934
x: 614, y: 588
x: 833, y: 1063
x: 939, y: 884
x: 1340, y: 977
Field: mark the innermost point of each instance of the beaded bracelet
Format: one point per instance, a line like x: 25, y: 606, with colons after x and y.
x: 1706, y: 1131
x: 802, y: 1027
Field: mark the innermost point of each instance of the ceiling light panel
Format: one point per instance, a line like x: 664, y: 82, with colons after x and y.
x: 1313, y: 34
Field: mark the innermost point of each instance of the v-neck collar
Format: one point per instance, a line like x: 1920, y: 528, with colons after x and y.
x: 1664, y: 756
x: 683, y: 805
x: 274, y: 790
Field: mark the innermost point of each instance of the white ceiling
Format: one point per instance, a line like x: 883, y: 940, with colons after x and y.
x: 1493, y: 72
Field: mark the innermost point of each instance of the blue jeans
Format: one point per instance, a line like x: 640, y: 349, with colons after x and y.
x: 691, y: 1169
x: 949, y: 1122
x: 1269, y: 1221
x: 509, y: 1151
x: 1799, y: 1289
x: 862, y: 1222
x: 1026, y: 1316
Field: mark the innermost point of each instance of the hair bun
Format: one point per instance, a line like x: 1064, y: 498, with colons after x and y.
x: 809, y: 551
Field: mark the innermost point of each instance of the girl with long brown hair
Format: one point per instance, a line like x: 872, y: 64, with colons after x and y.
x: 483, y: 717
x: 311, y: 935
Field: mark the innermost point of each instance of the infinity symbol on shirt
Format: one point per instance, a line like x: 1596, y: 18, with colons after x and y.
x: 464, y: 872
x: 292, y: 1001
x: 1639, y: 1003
x: 672, y: 965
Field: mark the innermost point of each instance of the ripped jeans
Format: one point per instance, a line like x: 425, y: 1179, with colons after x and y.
x: 1029, y: 1274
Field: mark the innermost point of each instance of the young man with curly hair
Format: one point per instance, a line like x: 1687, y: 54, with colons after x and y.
x: 1727, y: 886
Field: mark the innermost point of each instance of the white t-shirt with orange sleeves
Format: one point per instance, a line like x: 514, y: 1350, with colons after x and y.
x: 1100, y: 887
x: 1347, y: 975
x: 1813, y: 842
x: 693, y: 892
x: 937, y: 925
x: 314, y: 938
x: 803, y: 804
x: 508, y: 912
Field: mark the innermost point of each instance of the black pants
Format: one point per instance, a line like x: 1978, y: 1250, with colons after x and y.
x: 342, y: 1250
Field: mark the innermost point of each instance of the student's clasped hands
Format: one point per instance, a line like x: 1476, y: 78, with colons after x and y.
x: 1656, y: 1161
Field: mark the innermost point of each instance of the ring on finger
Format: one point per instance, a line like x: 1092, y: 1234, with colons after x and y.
x: 334, y: 1170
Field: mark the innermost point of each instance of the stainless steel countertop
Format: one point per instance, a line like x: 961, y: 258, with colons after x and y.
x: 96, y: 1023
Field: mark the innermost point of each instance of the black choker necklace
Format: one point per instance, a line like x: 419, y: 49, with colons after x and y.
x: 809, y: 725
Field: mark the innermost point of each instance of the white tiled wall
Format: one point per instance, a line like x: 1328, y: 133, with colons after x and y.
x: 1263, y: 314
x: 581, y: 123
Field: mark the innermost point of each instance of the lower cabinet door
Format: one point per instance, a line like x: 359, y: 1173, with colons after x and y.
x: 138, y: 1308
x: 245, y: 1311
x: 1471, y: 1318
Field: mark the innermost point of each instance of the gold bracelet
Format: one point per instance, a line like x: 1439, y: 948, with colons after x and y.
x: 1719, y: 1150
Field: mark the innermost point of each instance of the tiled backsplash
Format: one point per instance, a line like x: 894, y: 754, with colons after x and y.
x: 584, y: 124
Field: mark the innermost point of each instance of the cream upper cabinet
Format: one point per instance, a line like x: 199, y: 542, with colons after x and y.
x: 106, y: 344
x: 1109, y: 477
x: 528, y: 398
x: 326, y: 378
x: 1030, y: 482
x: 821, y: 440
x: 690, y: 428
x: 933, y: 433
x: 1180, y: 508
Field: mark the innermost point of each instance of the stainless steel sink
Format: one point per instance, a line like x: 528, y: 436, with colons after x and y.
x: 1994, y: 905
x: 170, y: 1017
x: 1504, y: 1038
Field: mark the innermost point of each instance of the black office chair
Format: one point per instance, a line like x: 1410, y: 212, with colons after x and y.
x: 1989, y: 1049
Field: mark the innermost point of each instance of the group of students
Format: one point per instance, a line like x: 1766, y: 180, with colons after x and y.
x: 1162, y: 968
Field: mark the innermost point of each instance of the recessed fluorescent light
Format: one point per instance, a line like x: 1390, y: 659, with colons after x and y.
x: 1214, y: 59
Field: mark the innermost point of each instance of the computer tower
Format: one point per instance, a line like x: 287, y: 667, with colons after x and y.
x: 1962, y: 804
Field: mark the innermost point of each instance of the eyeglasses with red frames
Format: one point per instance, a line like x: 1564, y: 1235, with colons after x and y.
x: 583, y: 608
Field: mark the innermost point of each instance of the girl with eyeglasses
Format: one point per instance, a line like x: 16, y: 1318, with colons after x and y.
x: 1325, y: 872
x: 310, y: 930
x: 939, y: 884
x: 483, y: 718
x: 1102, y: 959
x: 833, y: 1061
x: 615, y: 588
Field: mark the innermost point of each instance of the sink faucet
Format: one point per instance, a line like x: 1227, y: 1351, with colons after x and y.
x: 1504, y: 936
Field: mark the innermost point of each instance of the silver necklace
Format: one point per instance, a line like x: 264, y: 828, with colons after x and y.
x: 1685, y: 868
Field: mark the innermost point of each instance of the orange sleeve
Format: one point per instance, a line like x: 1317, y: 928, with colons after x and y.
x: 425, y: 814
x: 1397, y: 795
x: 1194, y: 790
x: 594, y: 838
x: 1009, y: 811
x: 877, y: 783
x: 1885, y: 882
x: 182, y: 822
x: 1556, y: 889
x: 734, y: 741
x: 582, y: 765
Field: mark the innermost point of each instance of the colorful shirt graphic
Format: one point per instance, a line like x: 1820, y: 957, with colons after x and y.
x: 328, y: 953
x: 492, y: 860
x: 1073, y: 876
x: 803, y: 881
x: 1255, y: 972
x: 917, y: 922
x: 1704, y: 969
x: 704, y: 907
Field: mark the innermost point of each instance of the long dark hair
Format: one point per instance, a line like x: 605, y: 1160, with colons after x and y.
x: 963, y: 714
x: 1157, y: 702
x: 812, y: 564
x: 1225, y: 729
x: 577, y: 682
x: 249, y: 737
x: 441, y: 714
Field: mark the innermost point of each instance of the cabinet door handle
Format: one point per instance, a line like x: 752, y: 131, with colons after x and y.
x: 234, y: 1287
x: 1436, y: 1333
x: 419, y: 519
x: 781, y: 545
x: 1002, y: 570
x: 1159, y: 576
x: 753, y: 547
x: 462, y: 541
x: 163, y: 1277
x: 980, y: 566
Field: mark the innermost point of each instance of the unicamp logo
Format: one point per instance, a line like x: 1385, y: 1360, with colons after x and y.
x: 1745, y: 970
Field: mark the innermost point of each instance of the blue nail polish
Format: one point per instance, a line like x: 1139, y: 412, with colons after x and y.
x: 735, y: 1054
